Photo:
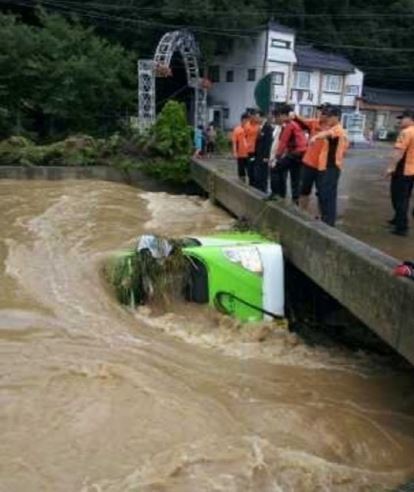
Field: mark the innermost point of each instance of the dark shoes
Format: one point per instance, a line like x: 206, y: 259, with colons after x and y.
x: 396, y: 230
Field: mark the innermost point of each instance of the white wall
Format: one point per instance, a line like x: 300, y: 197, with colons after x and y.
x: 280, y: 92
x: 309, y: 97
x: 317, y: 95
x: 281, y: 60
x: 332, y: 98
x: 239, y: 94
x: 354, y: 79
x: 281, y: 54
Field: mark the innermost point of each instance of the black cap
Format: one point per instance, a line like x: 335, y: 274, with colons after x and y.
x: 332, y: 111
x: 407, y: 113
x: 284, y: 109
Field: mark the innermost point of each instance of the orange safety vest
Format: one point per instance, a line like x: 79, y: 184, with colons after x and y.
x: 405, y: 142
x: 251, y: 131
x: 239, y: 140
x: 335, y: 132
x: 311, y: 157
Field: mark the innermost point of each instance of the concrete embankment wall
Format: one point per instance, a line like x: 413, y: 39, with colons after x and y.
x: 357, y: 275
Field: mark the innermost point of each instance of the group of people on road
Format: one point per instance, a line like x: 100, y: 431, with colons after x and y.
x: 310, y: 152
x: 282, y: 145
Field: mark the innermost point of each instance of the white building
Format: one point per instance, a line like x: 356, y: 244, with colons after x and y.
x: 300, y: 75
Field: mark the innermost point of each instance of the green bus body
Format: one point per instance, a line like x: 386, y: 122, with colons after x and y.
x: 231, y: 287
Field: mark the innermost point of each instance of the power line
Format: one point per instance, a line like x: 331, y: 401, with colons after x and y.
x: 66, y: 4
x: 279, y: 14
x: 149, y: 24
x: 215, y: 32
x: 371, y: 48
x: 230, y: 14
x: 142, y: 23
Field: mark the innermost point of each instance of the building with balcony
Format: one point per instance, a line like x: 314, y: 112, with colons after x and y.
x: 298, y: 74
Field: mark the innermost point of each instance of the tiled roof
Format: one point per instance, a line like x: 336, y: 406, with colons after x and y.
x: 308, y: 57
x: 388, y: 97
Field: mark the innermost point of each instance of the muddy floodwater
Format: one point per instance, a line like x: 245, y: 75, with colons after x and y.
x: 95, y: 398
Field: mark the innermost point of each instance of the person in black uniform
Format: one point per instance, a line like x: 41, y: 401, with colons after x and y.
x: 263, y: 147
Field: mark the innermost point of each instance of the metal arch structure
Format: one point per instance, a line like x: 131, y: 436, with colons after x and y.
x: 146, y: 93
x: 171, y: 42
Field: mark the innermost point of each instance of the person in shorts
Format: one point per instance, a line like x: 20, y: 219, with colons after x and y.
x: 310, y: 161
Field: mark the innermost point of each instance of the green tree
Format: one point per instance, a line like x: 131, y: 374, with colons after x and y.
x: 381, y: 30
x: 62, y: 77
x: 17, y: 48
x: 172, y: 135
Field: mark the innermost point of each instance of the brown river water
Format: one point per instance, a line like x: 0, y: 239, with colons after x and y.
x: 96, y: 398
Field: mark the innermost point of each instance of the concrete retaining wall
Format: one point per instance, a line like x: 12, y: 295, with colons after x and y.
x: 355, y: 274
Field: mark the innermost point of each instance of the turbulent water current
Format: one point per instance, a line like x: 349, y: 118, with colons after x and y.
x: 97, y: 398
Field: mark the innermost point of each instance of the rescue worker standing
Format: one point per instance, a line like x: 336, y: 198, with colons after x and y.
x: 309, y: 172
x: 240, y: 151
x: 263, y: 147
x: 289, y: 153
x: 252, y: 129
x: 401, y: 171
x: 330, y: 162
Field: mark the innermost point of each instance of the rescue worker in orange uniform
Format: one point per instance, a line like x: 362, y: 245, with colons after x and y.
x: 330, y: 162
x: 252, y: 129
x: 240, y: 151
x: 310, y: 161
x: 401, y: 171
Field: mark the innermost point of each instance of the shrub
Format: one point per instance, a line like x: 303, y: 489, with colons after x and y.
x: 170, y: 137
x: 81, y: 150
x: 223, y: 142
x: 174, y: 171
x: 168, y: 146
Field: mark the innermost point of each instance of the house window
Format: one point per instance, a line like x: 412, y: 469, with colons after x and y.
x: 280, y: 43
x: 278, y: 78
x: 229, y: 76
x: 332, y: 83
x: 214, y: 72
x: 306, y: 111
x: 226, y: 113
x: 251, y: 74
x: 352, y: 90
x: 345, y: 119
x: 302, y: 80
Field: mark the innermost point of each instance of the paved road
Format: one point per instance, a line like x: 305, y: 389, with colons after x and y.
x: 364, y: 204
